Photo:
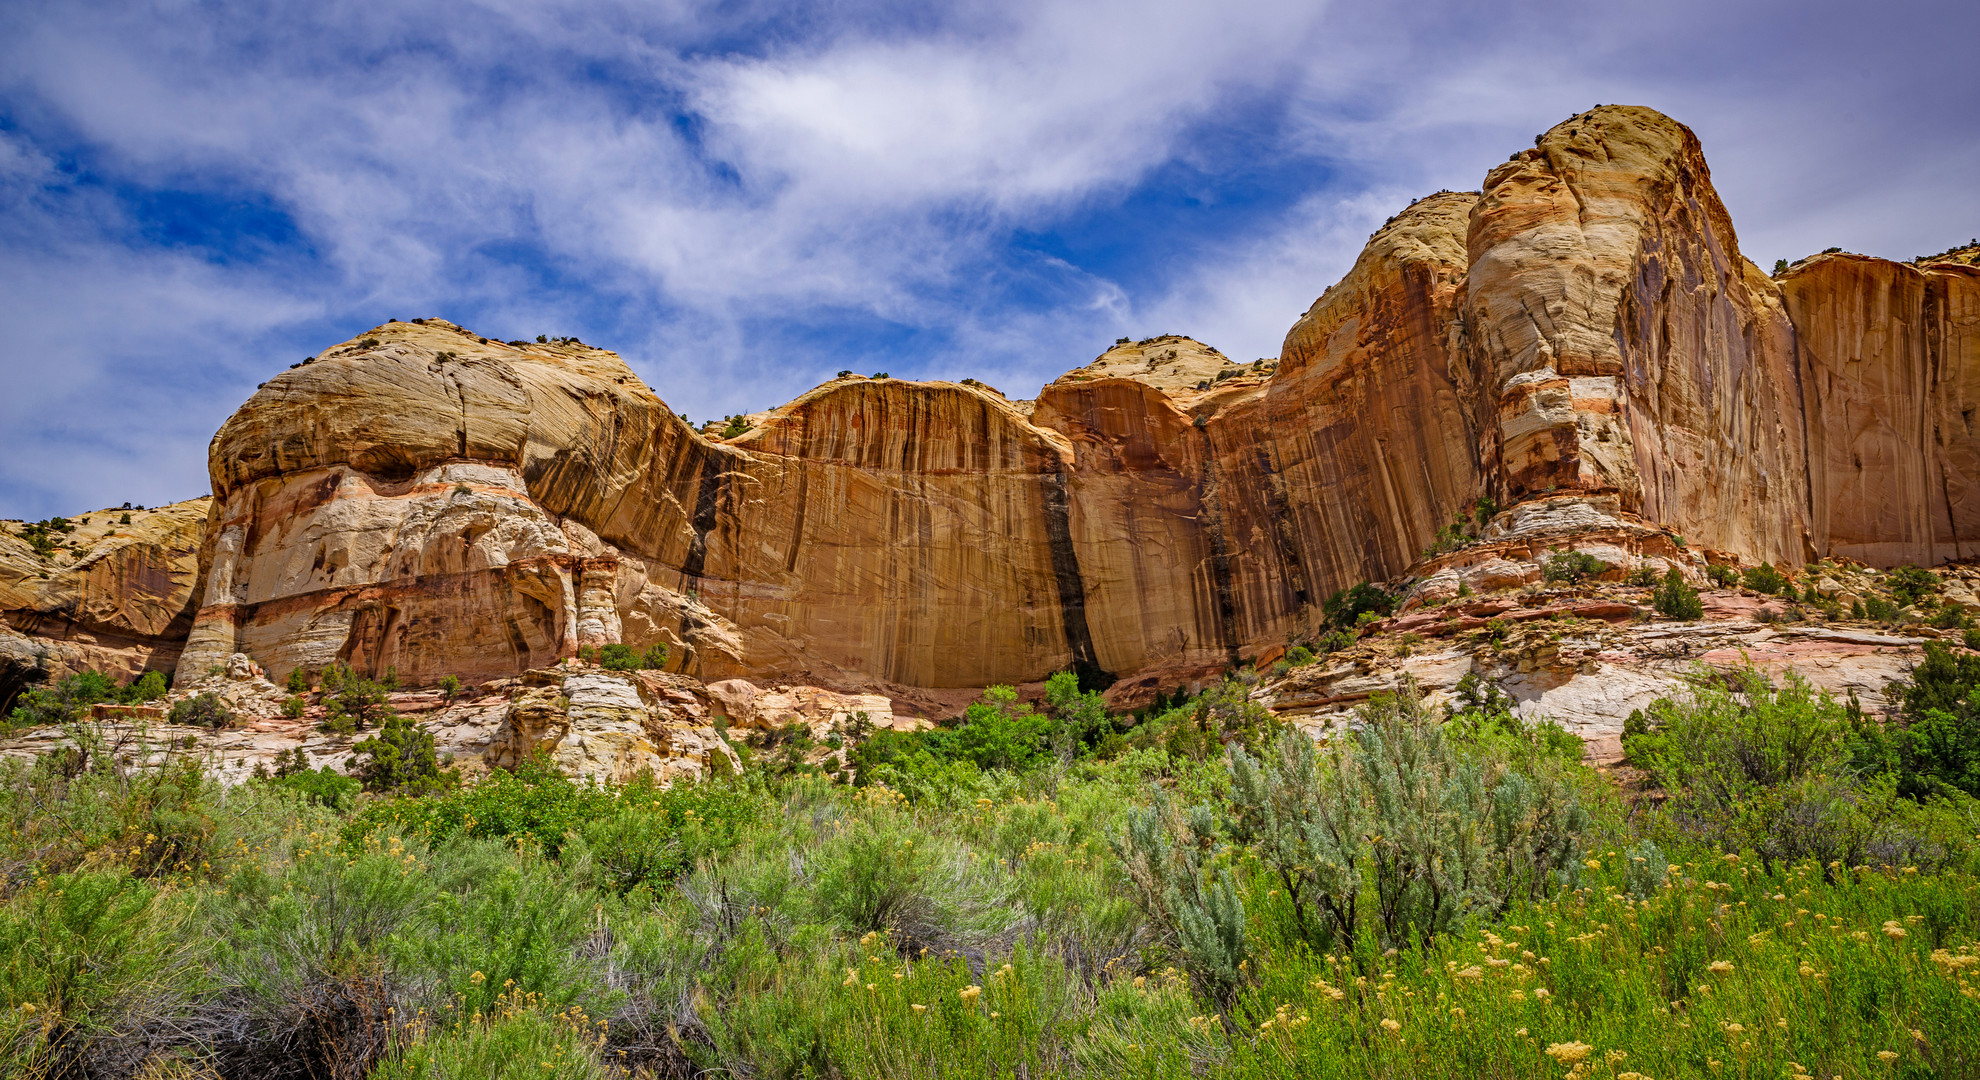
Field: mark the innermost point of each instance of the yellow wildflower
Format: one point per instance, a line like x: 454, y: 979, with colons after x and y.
x: 1569, y: 1053
x: 1521, y: 1033
x: 919, y: 1008
x: 1892, y: 930
x: 1720, y: 967
x: 969, y: 993
x: 1886, y: 1056
x: 1390, y: 1025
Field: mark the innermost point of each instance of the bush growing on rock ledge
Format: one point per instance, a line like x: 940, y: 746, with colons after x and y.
x: 1344, y: 610
x: 202, y: 710
x: 352, y: 702
x: 1765, y: 579
x: 1572, y: 567
x: 617, y: 657
x: 1676, y: 600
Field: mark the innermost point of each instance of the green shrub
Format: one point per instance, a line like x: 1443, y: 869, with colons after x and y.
x: 535, y: 801
x: 1299, y: 656
x: 86, y: 958
x: 1676, y: 600
x: 150, y: 686
x: 1001, y: 732
x: 520, y: 1038
x: 1910, y: 585
x: 450, y: 688
x: 1765, y: 579
x: 1572, y: 567
x: 294, y: 706
x: 400, y: 758
x: 1301, y: 817
x: 202, y: 710
x: 323, y: 787
x: 1751, y: 766
x: 1456, y: 833
x: 996, y: 732
x: 298, y: 681
x: 353, y: 703
x: 1722, y: 575
x: 1345, y: 609
x: 66, y: 702
x: 1642, y: 576
x: 1167, y: 855
x: 617, y: 657
x: 1081, y: 722
x: 1933, y: 745
x: 654, y: 835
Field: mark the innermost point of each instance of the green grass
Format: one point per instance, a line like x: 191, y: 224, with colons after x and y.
x: 985, y: 927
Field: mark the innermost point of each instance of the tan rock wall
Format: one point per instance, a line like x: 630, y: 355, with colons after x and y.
x: 1890, y: 357
x: 1582, y: 341
x: 118, y: 596
x: 1624, y: 345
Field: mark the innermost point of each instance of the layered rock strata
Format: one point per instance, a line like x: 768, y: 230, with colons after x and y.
x: 116, y: 592
x: 1581, y: 345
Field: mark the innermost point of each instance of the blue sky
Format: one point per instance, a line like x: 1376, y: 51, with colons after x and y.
x: 744, y: 198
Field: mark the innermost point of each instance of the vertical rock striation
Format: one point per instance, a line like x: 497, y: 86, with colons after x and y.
x: 1580, y: 343
x: 1890, y: 356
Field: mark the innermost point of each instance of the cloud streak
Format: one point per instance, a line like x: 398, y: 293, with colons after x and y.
x: 746, y: 198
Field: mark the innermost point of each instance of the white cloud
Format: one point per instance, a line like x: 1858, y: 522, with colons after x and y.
x: 711, y: 188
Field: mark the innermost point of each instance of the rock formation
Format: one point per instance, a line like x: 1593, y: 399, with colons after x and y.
x: 115, y: 592
x: 1577, y: 355
x: 1890, y: 360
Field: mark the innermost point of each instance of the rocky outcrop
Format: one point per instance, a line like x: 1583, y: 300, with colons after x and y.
x: 611, y: 725
x: 115, y: 592
x: 1577, y: 351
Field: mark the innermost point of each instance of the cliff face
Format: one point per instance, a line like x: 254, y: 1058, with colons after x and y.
x: 1622, y: 344
x: 1890, y: 357
x: 1580, y: 343
x: 113, y: 594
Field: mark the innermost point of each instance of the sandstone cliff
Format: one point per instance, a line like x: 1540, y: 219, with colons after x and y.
x: 1580, y: 344
x: 1890, y: 357
x: 116, y: 592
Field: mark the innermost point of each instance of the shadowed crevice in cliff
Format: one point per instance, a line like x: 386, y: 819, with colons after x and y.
x: 707, y: 501
x: 1072, y: 591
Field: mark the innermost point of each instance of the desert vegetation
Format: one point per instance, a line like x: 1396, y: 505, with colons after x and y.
x: 1040, y: 888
